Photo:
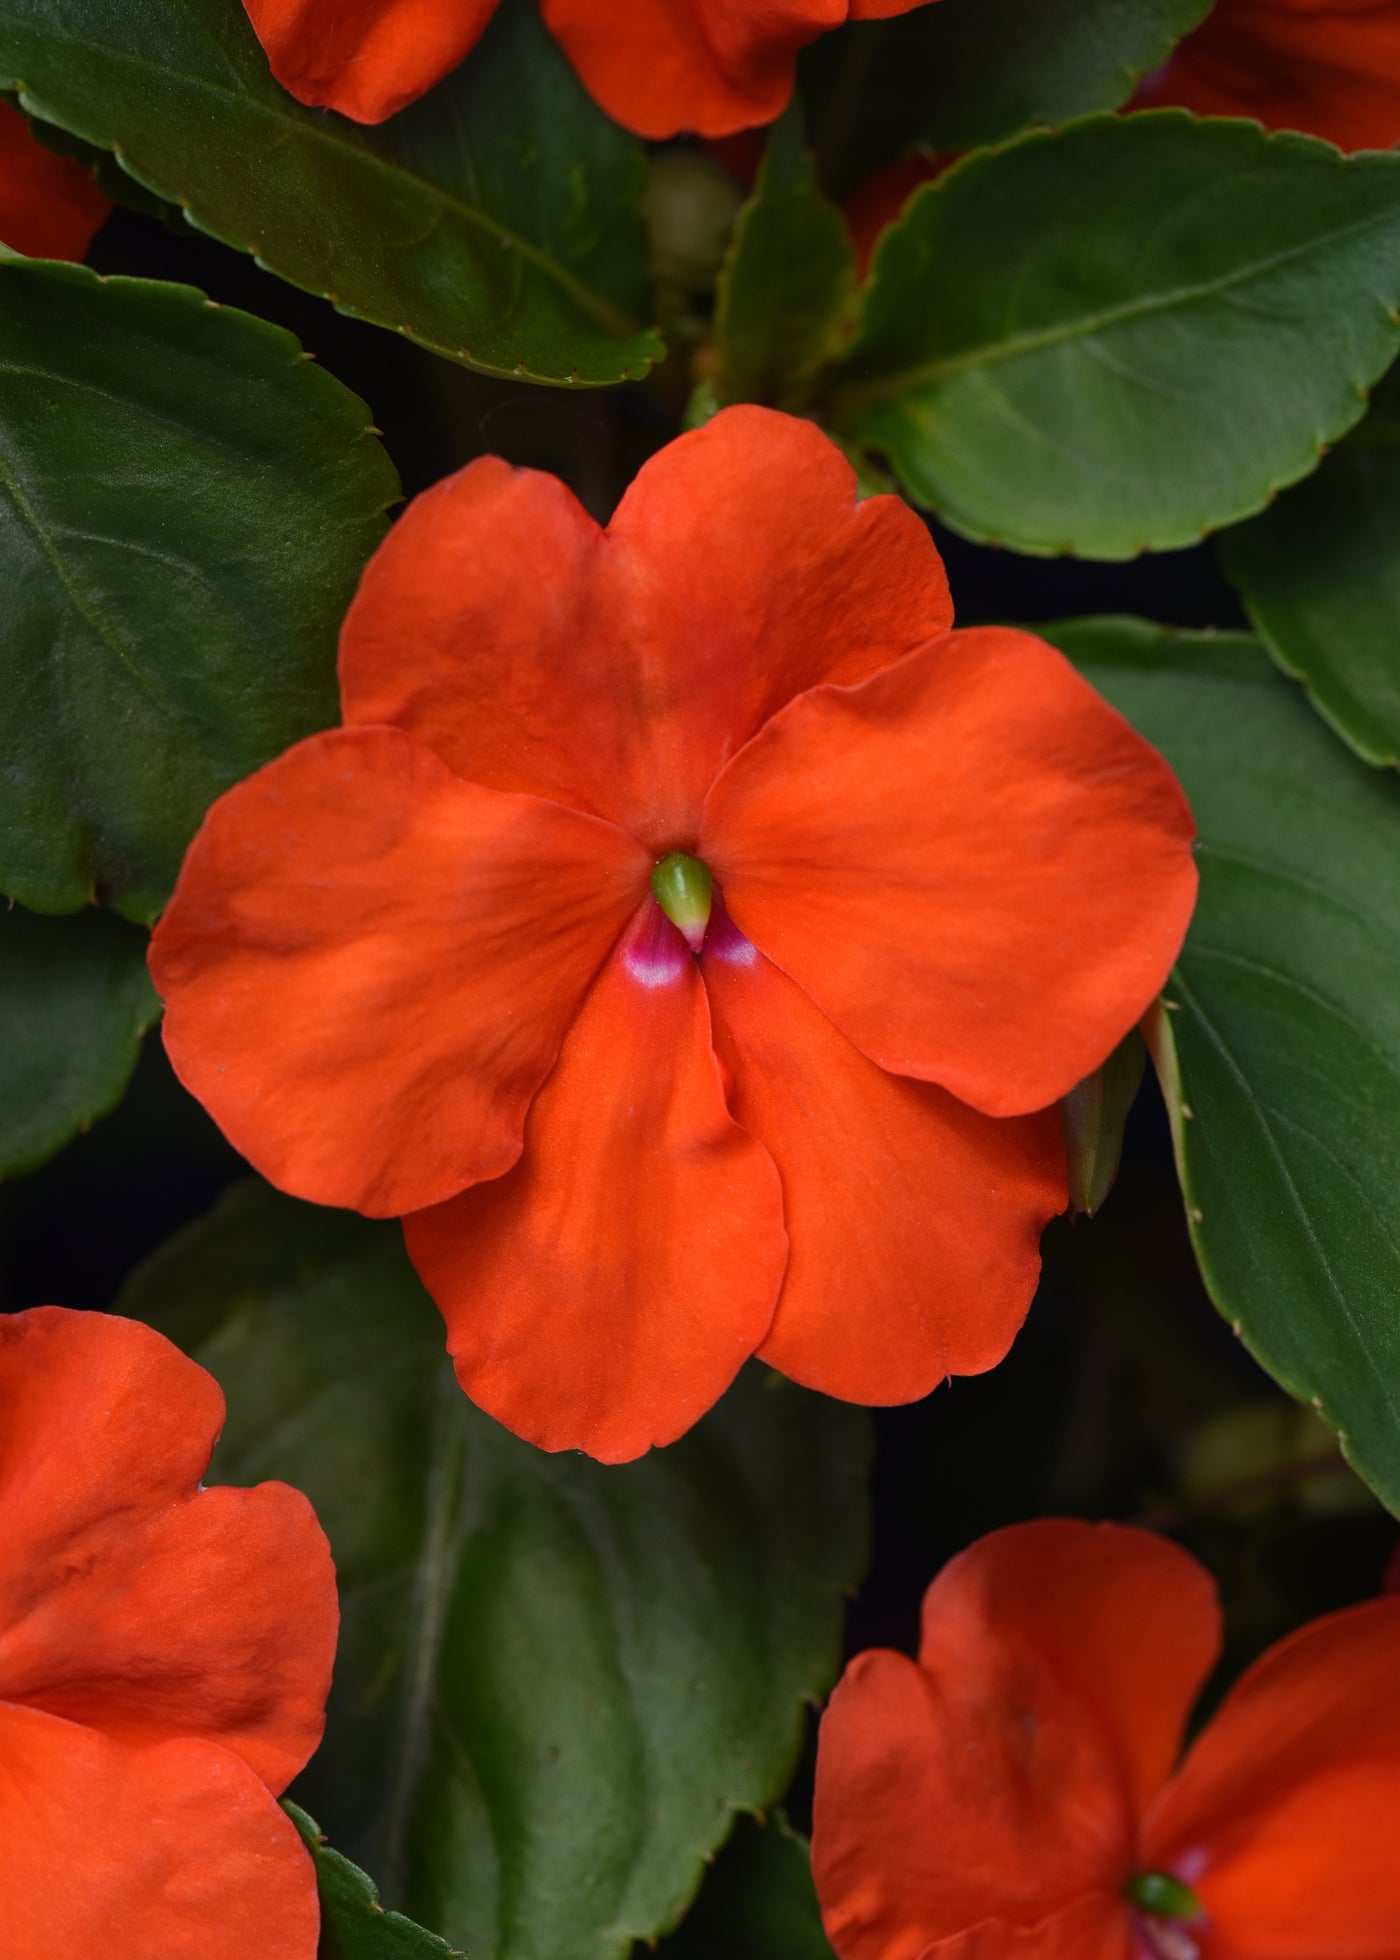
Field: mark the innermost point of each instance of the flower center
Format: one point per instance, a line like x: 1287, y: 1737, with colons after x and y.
x: 1167, y: 1909
x: 684, y: 890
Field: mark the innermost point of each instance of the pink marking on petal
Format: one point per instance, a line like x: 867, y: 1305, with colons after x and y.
x: 655, y: 954
x: 724, y: 939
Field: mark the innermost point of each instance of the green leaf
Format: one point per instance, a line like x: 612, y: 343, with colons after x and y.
x: 354, y: 1926
x: 495, y: 221
x: 969, y: 72
x: 758, y: 1903
x: 103, y: 168
x: 557, y: 1681
x: 1320, y: 577
x: 787, y: 289
x: 1280, y: 1051
x: 75, y: 1001
x: 1121, y: 335
x: 186, y: 503
x: 1094, y: 1116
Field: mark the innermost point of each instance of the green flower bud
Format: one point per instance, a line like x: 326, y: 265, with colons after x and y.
x: 684, y: 890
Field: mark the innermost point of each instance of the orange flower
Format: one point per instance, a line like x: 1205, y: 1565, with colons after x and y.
x: 1011, y: 1796
x: 165, y: 1654
x: 947, y: 878
x: 656, y: 66
x: 1329, y: 67
x: 49, y: 208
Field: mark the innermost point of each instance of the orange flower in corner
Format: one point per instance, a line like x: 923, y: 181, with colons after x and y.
x: 165, y: 1654
x: 656, y: 66
x: 1012, y: 1796
x: 49, y: 207
x: 687, y: 932
x: 1328, y: 67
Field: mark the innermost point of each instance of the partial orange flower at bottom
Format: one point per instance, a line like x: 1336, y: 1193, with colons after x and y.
x: 1014, y: 1794
x: 687, y: 935
x: 49, y: 207
x: 165, y: 1655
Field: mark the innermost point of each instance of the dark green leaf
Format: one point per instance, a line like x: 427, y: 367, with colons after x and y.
x: 104, y: 169
x: 1094, y: 1115
x: 786, y: 292
x: 1320, y: 577
x: 186, y: 504
x: 968, y: 72
x: 757, y: 1904
x: 1281, y: 1049
x: 354, y: 1926
x: 557, y: 1681
x: 74, y: 1003
x: 495, y: 221
x: 1127, y: 333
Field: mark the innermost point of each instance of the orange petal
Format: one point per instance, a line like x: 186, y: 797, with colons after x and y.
x: 1004, y: 1775
x: 368, y: 966
x: 365, y: 58
x: 130, y: 1599
x: 708, y: 66
x: 914, y: 1222
x: 618, y: 671
x: 49, y: 207
x: 606, y: 1292
x: 1283, y: 1817
x: 970, y: 862
x: 1096, y: 1927
x: 158, y: 1853
x: 1329, y: 67
x: 883, y: 9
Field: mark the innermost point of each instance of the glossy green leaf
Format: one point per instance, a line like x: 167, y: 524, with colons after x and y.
x: 969, y: 72
x: 1319, y: 573
x: 495, y: 221
x: 354, y: 1925
x: 786, y: 293
x: 186, y: 503
x: 758, y: 1903
x: 557, y: 1680
x: 75, y: 1001
x: 1280, y: 1049
x: 1126, y: 333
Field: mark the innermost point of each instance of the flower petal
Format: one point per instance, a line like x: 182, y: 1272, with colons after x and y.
x: 617, y: 671
x: 1330, y: 67
x: 1284, y: 1812
x: 915, y: 1222
x: 365, y: 58
x: 604, y: 1293
x: 970, y: 862
x: 130, y: 1599
x: 1003, y: 1776
x: 49, y: 207
x: 160, y: 1853
x: 708, y: 66
x: 368, y: 966
x: 1096, y: 1927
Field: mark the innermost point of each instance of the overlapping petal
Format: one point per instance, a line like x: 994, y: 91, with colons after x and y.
x: 618, y: 671
x: 1285, y: 1809
x: 369, y: 965
x: 49, y: 207
x: 607, y: 1290
x: 161, y: 1852
x: 1003, y: 1776
x: 130, y: 1599
x: 970, y: 862
x: 1329, y: 67
x: 915, y: 1222
x: 366, y: 58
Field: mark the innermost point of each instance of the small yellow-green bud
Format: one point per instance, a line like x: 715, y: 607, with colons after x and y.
x: 684, y: 890
x: 1163, y: 1895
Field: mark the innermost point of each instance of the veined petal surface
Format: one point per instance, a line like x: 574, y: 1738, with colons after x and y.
x: 369, y: 965
x: 970, y: 861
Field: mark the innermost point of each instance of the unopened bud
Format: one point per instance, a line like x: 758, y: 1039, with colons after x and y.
x: 1093, y: 1116
x: 1163, y: 1895
x: 685, y: 892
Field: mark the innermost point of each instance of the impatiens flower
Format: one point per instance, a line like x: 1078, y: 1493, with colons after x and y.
x: 656, y: 66
x: 1328, y: 67
x: 49, y: 208
x: 687, y: 932
x: 1013, y: 1795
x: 165, y: 1654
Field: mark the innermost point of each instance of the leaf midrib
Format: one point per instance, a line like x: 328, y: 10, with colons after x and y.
x: 611, y: 318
